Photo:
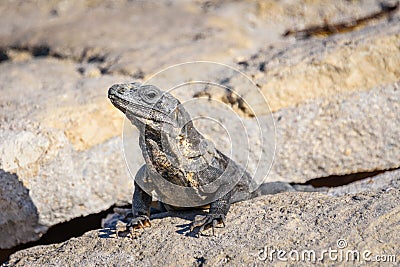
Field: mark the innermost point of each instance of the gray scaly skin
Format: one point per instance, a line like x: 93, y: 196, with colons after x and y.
x: 170, y: 145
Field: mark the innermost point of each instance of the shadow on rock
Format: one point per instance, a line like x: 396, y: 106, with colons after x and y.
x: 19, y: 219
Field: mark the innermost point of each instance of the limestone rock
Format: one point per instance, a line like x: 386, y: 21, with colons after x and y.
x: 344, y: 134
x: 60, y: 144
x: 364, y: 224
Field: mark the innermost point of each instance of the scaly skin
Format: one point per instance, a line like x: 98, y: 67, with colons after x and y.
x: 171, y: 146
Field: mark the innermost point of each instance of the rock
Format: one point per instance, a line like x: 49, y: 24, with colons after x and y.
x: 184, y: 30
x: 21, y: 149
x: 312, y: 69
x: 323, y: 68
x: 365, y: 224
x: 60, y: 142
x: 19, y: 216
x: 343, y: 134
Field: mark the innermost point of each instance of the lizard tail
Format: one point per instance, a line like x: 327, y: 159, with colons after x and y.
x: 264, y: 189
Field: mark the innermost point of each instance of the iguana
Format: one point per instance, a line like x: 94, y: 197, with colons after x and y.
x: 175, y: 150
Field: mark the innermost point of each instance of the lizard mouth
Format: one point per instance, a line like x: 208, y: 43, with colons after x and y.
x: 118, y: 102
x: 139, y: 111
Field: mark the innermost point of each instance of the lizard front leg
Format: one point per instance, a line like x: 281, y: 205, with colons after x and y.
x: 139, y: 217
x: 216, y: 215
x: 141, y: 203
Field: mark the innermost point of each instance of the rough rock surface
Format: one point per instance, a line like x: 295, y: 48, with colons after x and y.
x: 355, y: 61
x: 343, y: 134
x: 59, y: 136
x: 361, y: 222
x: 183, y: 31
x: 19, y: 215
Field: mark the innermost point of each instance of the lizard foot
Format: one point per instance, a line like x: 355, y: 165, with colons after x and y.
x: 207, y: 221
x: 139, y: 222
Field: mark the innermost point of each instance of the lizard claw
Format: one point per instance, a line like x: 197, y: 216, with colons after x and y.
x: 207, y: 221
x: 139, y: 222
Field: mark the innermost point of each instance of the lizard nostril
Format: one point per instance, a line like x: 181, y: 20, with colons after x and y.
x: 115, y: 89
x: 110, y: 91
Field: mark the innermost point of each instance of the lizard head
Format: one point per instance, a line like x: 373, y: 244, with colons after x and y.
x: 148, y: 104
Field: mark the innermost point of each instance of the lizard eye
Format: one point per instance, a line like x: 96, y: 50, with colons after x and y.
x: 148, y: 94
x: 151, y: 95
